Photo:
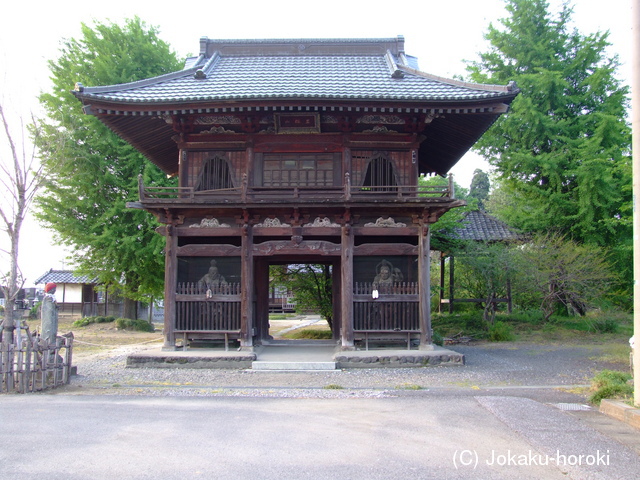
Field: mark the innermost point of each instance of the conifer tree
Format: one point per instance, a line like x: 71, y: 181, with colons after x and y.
x: 562, y: 152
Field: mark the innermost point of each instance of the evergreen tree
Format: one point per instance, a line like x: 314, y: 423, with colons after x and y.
x: 479, y: 188
x: 96, y: 173
x: 562, y: 152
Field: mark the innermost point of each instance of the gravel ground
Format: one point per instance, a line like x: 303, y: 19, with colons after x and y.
x: 550, y: 373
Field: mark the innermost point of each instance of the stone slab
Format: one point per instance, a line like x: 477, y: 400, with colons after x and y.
x: 621, y: 411
x: 398, y: 358
x: 202, y: 358
x: 295, y: 357
x: 297, y: 366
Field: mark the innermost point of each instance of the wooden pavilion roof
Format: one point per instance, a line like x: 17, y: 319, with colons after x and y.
x: 349, y: 77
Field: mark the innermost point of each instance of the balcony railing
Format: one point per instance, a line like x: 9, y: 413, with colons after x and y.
x: 250, y: 194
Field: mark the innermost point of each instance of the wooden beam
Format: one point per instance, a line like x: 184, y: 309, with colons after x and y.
x: 369, y: 249
x: 195, y: 250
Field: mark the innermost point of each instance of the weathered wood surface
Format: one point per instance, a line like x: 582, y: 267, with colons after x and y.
x: 32, y: 364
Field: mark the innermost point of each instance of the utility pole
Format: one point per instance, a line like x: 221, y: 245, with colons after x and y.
x: 635, y: 125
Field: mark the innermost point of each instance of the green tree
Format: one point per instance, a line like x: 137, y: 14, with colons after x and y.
x: 311, y: 285
x: 562, y: 151
x: 485, y: 271
x: 95, y: 174
x: 480, y: 186
x: 561, y: 274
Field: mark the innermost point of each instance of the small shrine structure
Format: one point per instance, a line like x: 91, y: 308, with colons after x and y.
x: 298, y: 151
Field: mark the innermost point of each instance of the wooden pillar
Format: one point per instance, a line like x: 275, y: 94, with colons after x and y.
x: 346, y: 280
x: 337, y: 300
x: 424, y: 287
x: 452, y: 262
x: 170, y: 284
x: 443, y: 265
x: 261, y: 311
x: 246, y: 320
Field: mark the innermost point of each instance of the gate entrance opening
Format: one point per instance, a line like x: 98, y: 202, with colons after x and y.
x: 291, y: 294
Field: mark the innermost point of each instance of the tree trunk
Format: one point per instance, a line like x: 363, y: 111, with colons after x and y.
x: 130, y: 309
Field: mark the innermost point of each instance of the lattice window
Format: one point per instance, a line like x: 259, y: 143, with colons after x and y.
x: 299, y: 170
x: 380, y: 174
x: 214, y: 174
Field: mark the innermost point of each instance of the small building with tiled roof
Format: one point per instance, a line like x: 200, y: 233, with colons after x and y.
x: 476, y: 226
x: 73, y: 291
x: 298, y: 151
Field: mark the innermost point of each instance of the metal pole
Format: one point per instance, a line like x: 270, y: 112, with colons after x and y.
x: 635, y: 125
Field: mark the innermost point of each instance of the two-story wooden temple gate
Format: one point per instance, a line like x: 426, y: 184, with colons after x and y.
x: 218, y: 275
x: 304, y: 150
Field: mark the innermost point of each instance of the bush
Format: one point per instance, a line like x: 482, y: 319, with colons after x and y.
x: 34, y: 312
x: 501, y: 332
x: 603, y: 325
x: 309, y: 333
x: 437, y: 339
x: 138, y: 325
x: 610, y: 384
x: 83, y: 322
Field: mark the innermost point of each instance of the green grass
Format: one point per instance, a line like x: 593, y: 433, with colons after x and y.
x: 595, y: 327
x: 611, y: 384
x: 310, y: 334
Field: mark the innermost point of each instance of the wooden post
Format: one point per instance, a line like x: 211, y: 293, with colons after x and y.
x: 442, y: 274
x: 170, y: 283
x: 337, y: 301
x: 452, y: 263
x: 346, y: 278
x: 261, y: 311
x: 246, y: 315
x: 424, y: 287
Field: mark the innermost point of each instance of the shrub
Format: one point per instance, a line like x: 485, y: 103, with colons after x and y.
x: 83, y: 322
x: 603, y: 325
x: 437, y: 338
x: 34, y: 312
x: 501, y: 332
x: 309, y: 333
x: 610, y: 384
x: 138, y: 325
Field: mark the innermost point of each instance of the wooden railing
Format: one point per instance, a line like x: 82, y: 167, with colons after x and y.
x: 386, y: 308
x: 200, y: 308
x: 246, y: 193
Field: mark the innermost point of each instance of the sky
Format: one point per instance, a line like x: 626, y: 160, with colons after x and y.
x: 442, y: 34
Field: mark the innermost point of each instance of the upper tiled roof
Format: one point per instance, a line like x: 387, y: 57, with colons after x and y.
x: 480, y: 226
x: 63, y: 276
x: 325, y: 70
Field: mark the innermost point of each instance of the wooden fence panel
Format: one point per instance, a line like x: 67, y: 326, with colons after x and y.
x: 34, y: 364
x: 386, y: 308
x: 204, y: 308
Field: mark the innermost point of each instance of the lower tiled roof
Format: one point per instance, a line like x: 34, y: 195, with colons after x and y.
x: 480, y: 226
x: 64, y: 276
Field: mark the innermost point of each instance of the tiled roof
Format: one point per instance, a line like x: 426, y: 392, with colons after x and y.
x: 480, y: 226
x: 64, y: 276
x: 340, y: 76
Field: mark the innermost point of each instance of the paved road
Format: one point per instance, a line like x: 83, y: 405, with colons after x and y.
x: 428, y: 437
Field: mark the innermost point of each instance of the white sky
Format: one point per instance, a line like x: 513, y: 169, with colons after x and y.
x: 442, y: 34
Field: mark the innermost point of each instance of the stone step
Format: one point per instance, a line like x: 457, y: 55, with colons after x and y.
x: 284, y: 365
